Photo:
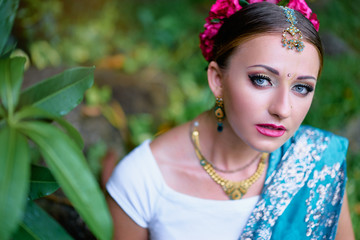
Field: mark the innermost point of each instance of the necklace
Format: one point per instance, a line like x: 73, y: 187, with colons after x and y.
x: 234, y: 190
x: 232, y: 171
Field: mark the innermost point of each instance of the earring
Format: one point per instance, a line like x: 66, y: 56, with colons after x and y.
x: 219, y: 113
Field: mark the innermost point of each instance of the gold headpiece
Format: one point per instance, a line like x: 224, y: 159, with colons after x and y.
x: 296, y: 41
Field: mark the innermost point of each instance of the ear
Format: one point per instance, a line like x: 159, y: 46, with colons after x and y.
x: 215, y: 79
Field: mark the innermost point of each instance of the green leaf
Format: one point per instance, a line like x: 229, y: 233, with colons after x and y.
x: 42, y: 182
x: 7, y: 15
x: 68, y: 165
x: 14, y: 177
x: 35, y: 155
x: 283, y: 3
x: 38, y: 225
x: 2, y: 112
x: 59, y: 94
x: 11, y: 77
x: 215, y: 20
x: 30, y: 112
x: 243, y: 3
x: 8, y: 49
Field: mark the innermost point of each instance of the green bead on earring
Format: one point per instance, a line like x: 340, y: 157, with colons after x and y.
x: 219, y: 113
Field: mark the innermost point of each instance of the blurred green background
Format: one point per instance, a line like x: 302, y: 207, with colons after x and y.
x: 151, y: 76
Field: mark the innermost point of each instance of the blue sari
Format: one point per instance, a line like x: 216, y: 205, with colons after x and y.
x: 304, y: 188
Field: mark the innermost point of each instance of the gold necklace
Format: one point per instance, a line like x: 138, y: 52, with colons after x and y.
x: 234, y: 190
x: 232, y: 171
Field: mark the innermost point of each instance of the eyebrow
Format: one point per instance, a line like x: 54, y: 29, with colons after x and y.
x: 306, y: 77
x: 276, y: 72
x: 270, y: 69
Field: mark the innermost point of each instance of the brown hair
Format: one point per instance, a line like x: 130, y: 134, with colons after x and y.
x: 259, y: 18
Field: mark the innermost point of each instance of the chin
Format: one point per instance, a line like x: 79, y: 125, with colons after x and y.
x: 269, y: 145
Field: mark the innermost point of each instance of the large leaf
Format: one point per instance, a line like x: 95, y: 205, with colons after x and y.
x: 59, y: 94
x: 42, y: 182
x: 14, y: 176
x: 38, y: 225
x: 8, y: 49
x: 2, y: 112
x: 71, y: 171
x: 29, y: 112
x: 11, y: 76
x: 7, y: 16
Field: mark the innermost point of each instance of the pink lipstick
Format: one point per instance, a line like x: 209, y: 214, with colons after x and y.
x: 270, y: 130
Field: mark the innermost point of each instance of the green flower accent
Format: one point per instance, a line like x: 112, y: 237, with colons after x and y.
x: 283, y: 3
x: 243, y: 3
x: 215, y: 20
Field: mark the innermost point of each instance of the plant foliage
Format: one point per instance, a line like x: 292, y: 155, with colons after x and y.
x: 26, y: 119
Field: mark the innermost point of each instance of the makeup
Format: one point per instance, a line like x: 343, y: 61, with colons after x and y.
x: 270, y: 130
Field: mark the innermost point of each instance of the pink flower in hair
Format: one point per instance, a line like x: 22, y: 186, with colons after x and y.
x: 221, y: 10
x: 207, y: 39
x: 302, y: 7
x: 315, y: 21
x: 224, y: 9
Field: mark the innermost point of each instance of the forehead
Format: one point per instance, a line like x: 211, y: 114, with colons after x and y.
x: 268, y: 50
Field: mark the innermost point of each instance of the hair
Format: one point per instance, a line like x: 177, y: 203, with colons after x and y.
x: 256, y: 19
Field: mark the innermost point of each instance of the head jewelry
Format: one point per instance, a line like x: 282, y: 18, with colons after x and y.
x: 296, y: 41
x: 223, y: 9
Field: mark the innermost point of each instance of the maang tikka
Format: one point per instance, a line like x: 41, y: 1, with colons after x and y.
x: 219, y: 113
x: 295, y: 33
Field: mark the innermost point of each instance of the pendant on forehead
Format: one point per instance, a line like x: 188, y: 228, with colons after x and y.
x: 295, y: 35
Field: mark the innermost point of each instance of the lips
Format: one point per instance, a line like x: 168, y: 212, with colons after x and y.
x: 270, y: 130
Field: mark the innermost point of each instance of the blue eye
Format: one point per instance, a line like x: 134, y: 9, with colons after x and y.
x: 260, y: 80
x: 303, y: 89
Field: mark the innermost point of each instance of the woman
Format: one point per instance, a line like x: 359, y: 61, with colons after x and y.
x: 213, y: 178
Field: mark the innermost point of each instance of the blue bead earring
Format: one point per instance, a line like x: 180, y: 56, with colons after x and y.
x: 219, y: 113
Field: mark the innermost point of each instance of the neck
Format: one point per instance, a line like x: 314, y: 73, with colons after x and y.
x: 225, y: 149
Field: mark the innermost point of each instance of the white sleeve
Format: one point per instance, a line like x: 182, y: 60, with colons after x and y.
x: 133, y: 186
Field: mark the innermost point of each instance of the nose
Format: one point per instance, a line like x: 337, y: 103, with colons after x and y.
x: 280, y: 104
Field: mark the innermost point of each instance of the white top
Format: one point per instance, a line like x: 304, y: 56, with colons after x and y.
x: 138, y: 186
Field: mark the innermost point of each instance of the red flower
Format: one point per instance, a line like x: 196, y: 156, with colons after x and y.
x: 301, y: 6
x: 224, y: 8
x: 207, y: 38
x: 220, y: 10
x: 315, y: 21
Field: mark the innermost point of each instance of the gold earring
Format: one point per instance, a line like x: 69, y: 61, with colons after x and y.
x: 219, y: 113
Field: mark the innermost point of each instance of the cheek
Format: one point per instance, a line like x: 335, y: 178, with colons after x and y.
x: 239, y: 98
x: 241, y: 106
x: 301, y: 108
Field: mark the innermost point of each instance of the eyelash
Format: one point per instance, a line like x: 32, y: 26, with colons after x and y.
x: 255, y: 78
x: 308, y: 88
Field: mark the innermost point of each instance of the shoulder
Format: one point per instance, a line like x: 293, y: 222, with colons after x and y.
x: 136, y: 165
x: 134, y: 160
x: 135, y: 184
x: 133, y: 170
x: 172, y: 145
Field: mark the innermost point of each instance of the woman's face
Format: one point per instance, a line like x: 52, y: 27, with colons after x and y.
x: 267, y: 90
